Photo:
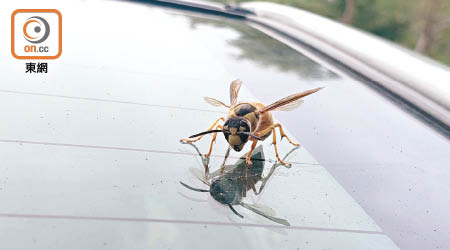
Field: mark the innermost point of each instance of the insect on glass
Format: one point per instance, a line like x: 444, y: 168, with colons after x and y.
x: 249, y: 121
x: 229, y: 187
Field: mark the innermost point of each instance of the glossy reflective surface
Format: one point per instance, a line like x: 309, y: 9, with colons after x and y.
x: 91, y: 155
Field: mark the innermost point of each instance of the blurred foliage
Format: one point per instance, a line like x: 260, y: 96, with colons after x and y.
x: 421, y: 25
x: 255, y: 46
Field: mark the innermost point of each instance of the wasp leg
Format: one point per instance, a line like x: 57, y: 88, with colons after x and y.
x: 222, y: 167
x: 284, y: 135
x: 274, y: 142
x: 244, y: 190
x: 276, y: 149
x: 205, y: 160
x: 254, y: 189
x: 272, y: 170
x: 212, y: 141
x: 200, y: 137
x: 249, y: 155
x: 248, y: 164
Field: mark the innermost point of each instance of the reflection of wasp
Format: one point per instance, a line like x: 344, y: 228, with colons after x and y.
x: 230, y: 186
x: 250, y: 121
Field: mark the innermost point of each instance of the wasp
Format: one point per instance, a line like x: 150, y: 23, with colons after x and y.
x: 249, y: 121
x: 229, y: 187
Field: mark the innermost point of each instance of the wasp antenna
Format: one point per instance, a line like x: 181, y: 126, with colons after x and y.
x: 251, y: 135
x: 192, y: 188
x: 256, y: 137
x: 234, y: 211
x: 206, y: 132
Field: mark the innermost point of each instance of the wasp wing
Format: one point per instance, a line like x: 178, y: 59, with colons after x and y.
x: 234, y: 90
x: 265, y: 209
x: 289, y: 103
x: 199, y: 175
x: 219, y: 172
x: 290, y: 106
x: 274, y: 219
x: 214, y: 102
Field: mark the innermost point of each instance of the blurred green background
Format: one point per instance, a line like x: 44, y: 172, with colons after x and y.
x: 421, y: 25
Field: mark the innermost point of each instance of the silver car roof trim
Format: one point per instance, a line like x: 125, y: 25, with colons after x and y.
x: 420, y: 81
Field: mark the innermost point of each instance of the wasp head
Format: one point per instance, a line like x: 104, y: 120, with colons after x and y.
x: 236, y: 132
x: 226, y: 191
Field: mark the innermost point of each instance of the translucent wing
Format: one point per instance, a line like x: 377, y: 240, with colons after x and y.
x: 274, y: 219
x: 214, y: 102
x: 290, y: 102
x: 290, y: 106
x: 199, y: 175
x: 265, y: 209
x: 216, y: 173
x: 234, y: 90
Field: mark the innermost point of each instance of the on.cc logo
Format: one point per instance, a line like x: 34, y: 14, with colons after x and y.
x: 36, y: 29
x: 36, y: 34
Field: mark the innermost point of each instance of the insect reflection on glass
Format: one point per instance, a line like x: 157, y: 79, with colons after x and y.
x: 250, y: 121
x: 229, y: 187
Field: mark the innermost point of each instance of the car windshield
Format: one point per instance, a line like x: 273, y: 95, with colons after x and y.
x: 91, y: 152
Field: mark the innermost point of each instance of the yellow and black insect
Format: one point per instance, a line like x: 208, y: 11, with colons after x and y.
x: 250, y: 121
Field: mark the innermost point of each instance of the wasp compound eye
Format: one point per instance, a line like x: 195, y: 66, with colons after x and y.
x: 244, y: 126
x: 234, y: 123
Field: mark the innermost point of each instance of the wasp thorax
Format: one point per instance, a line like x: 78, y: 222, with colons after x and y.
x: 225, y: 191
x: 236, y: 132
